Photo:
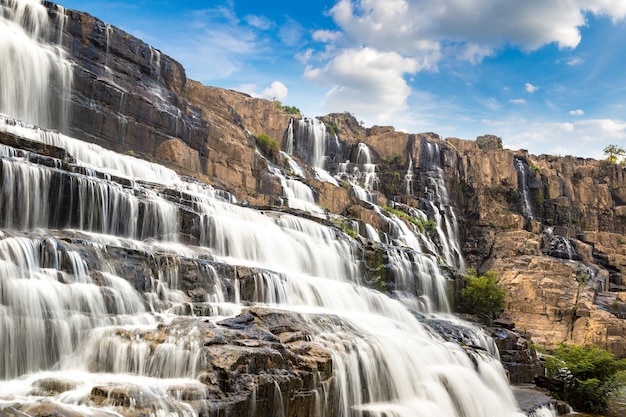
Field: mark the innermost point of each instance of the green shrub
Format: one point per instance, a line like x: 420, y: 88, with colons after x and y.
x: 332, y: 128
x: 268, y: 146
x: 287, y: 109
x: 591, y: 375
x: 482, y: 296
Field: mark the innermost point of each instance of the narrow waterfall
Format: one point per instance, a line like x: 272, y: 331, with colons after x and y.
x: 442, y: 211
x: 522, y: 183
x: 408, y: 178
x: 126, y: 289
x: 289, y: 139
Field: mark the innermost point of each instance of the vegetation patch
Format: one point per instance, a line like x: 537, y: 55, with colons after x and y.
x: 287, y: 109
x: 421, y: 223
x: 268, y: 146
x: 332, y: 128
x: 615, y: 154
x: 482, y: 296
x: 590, y: 376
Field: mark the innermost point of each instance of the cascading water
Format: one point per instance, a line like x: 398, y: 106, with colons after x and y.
x: 35, y: 77
x: 299, y: 195
x: 361, y: 175
x: 314, y: 269
x: 408, y: 178
x: 115, y: 273
x: 522, y: 183
x: 312, y: 141
x: 442, y: 211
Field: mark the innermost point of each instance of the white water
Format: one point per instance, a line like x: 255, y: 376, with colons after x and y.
x: 299, y: 195
x: 545, y: 411
x: 71, y: 309
x: 522, y: 184
x: 315, y: 269
x: 409, y: 178
x: 312, y: 141
x: 35, y: 77
x: 443, y: 212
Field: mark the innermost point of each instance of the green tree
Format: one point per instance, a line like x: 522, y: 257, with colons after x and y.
x: 590, y: 375
x: 614, y: 153
x: 482, y: 296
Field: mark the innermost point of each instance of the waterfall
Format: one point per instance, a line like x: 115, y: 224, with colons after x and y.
x: 360, y: 175
x: 289, y: 139
x: 385, y: 360
x: 311, y: 142
x: 299, y: 196
x: 366, y: 172
x: 35, y: 77
x: 442, y: 211
x: 408, y: 178
x: 522, y: 183
x: 118, y: 278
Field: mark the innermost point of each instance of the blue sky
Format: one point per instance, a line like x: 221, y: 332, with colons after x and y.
x: 546, y: 76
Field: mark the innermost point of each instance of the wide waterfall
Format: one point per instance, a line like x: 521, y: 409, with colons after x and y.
x: 35, y: 78
x: 120, y: 280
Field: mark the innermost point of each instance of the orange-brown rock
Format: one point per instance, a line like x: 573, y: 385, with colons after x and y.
x: 180, y: 155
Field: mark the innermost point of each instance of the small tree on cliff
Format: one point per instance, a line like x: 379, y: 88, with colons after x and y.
x: 482, y: 296
x: 614, y: 153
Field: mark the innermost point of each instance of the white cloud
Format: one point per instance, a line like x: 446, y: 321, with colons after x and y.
x: 291, y: 32
x: 379, y: 44
x: 260, y: 22
x: 365, y: 81
x: 575, y: 61
x: 492, y: 104
x: 581, y: 138
x: 305, y: 56
x: 326, y: 35
x: 530, y: 88
x: 473, y: 53
x: 418, y: 28
x: 577, y: 112
x: 276, y: 91
x: 214, y: 43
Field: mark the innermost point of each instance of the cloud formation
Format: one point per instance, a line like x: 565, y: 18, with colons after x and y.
x: 577, y: 112
x: 583, y: 137
x: 427, y: 33
x: 366, y: 81
x: 276, y: 91
x: 530, y: 88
